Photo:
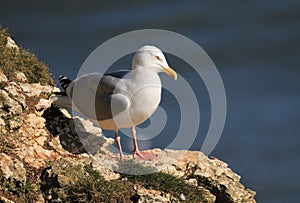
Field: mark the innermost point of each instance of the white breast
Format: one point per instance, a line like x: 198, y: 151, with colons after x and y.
x: 144, y: 94
x: 143, y: 103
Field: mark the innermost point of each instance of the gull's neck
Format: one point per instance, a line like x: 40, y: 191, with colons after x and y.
x: 144, y: 75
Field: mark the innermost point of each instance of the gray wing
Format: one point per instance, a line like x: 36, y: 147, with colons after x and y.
x: 95, y: 96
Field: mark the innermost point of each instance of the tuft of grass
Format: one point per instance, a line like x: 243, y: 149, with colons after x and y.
x: 28, y: 187
x: 14, y: 60
x: 105, y: 191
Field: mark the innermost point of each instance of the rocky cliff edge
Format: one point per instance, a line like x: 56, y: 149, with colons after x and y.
x: 44, y: 158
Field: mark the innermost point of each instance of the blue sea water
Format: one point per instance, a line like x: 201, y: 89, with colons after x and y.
x: 254, y: 44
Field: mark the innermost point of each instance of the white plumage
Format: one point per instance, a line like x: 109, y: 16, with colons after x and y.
x: 121, y: 99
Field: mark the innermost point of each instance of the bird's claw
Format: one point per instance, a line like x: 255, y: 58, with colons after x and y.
x: 146, y: 156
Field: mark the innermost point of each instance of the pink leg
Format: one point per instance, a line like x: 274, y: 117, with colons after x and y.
x: 117, y: 138
x: 138, y: 154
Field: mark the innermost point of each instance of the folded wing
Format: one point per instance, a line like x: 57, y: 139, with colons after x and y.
x: 96, y: 97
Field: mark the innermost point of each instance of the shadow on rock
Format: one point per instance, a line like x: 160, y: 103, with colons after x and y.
x: 76, y: 134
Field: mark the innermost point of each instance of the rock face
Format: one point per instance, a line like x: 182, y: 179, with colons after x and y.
x: 48, y: 156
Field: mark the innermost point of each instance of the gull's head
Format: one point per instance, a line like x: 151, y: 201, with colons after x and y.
x: 151, y: 57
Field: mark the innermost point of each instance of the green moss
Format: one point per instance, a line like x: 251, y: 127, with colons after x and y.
x: 14, y: 60
x: 75, y: 183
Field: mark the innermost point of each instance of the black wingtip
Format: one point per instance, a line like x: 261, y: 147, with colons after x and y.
x: 59, y: 93
x: 64, y: 81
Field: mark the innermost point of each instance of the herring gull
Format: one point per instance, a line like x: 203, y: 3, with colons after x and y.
x: 120, y: 99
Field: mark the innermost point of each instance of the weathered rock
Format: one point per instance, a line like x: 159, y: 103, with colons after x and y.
x: 43, y: 104
x: 21, y: 77
x: 3, y: 77
x: 47, y: 134
x: 11, y: 43
x: 12, y: 168
x: 8, y: 106
x: 31, y: 146
x: 35, y: 89
x: 210, y: 173
x: 154, y: 196
x: 76, y: 135
x: 34, y: 121
x: 15, y: 92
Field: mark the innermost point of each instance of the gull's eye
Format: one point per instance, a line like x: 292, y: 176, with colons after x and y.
x: 157, y: 57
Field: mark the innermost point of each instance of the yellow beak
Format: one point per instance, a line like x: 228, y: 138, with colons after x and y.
x: 170, y: 72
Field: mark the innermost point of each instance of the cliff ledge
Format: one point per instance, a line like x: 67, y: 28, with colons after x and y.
x: 48, y: 156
